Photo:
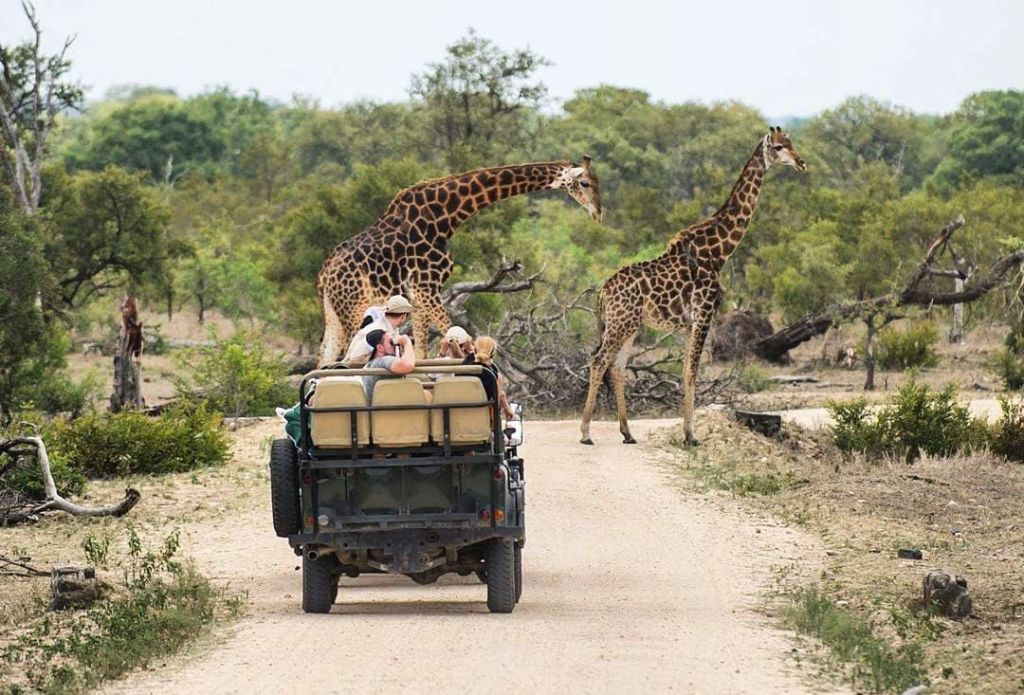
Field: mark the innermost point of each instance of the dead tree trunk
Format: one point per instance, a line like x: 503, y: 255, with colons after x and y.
x: 30, y: 509
x: 869, y: 354
x: 776, y: 346
x: 128, y: 360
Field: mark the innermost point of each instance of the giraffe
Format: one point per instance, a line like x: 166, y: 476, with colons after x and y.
x: 406, y: 250
x: 680, y: 289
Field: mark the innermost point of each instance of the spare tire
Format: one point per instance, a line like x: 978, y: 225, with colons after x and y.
x: 284, y: 487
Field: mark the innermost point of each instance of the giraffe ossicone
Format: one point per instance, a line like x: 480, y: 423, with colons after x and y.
x: 680, y: 289
x: 406, y: 250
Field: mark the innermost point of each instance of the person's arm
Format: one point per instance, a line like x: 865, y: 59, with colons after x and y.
x: 407, y: 362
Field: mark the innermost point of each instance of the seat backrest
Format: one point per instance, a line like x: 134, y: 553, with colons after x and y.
x: 335, y: 429
x: 399, y: 427
x: 468, y: 425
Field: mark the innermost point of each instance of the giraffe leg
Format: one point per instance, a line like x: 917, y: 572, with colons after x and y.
x: 698, y: 334
x: 599, y: 364
x: 618, y: 374
x: 334, y: 337
x: 429, y: 310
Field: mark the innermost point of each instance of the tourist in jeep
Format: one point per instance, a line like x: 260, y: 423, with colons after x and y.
x: 396, y: 356
x: 390, y: 318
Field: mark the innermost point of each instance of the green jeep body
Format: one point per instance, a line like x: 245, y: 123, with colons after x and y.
x: 422, y: 511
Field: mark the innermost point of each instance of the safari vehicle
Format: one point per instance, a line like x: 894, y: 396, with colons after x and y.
x: 401, y: 486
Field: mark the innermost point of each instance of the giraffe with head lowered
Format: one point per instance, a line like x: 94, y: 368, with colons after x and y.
x: 406, y: 250
x: 680, y: 289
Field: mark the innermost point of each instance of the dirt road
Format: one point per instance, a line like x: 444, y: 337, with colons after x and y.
x: 629, y: 585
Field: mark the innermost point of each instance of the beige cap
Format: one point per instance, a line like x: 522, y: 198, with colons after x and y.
x: 456, y: 334
x: 397, y: 305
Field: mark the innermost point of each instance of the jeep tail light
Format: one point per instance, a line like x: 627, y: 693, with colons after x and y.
x: 485, y: 514
x: 307, y: 478
x: 499, y: 514
x: 499, y: 473
x: 308, y: 521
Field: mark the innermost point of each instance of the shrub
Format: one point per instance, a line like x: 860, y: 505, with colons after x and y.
x: 1007, y: 434
x: 1009, y: 366
x: 103, y: 446
x: 753, y: 378
x: 917, y: 421
x: 238, y: 376
x: 914, y: 347
x: 56, y: 394
x: 26, y: 481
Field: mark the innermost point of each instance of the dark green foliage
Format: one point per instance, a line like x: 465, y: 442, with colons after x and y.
x: 26, y: 479
x: 1009, y: 366
x: 238, y: 376
x: 907, y: 349
x: 917, y: 421
x: 987, y: 139
x: 1008, y: 432
x: 130, y: 443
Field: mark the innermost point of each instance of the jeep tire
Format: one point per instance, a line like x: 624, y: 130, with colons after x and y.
x: 284, y: 487
x: 501, y: 579
x: 318, y: 586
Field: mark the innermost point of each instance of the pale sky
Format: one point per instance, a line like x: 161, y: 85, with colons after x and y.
x: 784, y: 57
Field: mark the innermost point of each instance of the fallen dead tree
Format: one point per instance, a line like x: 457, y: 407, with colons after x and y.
x: 776, y: 346
x: 16, y: 508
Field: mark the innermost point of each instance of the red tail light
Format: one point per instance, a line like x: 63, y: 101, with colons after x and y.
x: 499, y: 473
x: 485, y: 514
x: 307, y: 478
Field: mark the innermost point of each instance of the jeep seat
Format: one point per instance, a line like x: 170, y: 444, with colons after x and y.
x: 331, y: 430
x: 392, y: 428
x: 468, y: 425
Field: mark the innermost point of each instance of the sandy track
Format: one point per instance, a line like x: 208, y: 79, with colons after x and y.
x: 629, y: 585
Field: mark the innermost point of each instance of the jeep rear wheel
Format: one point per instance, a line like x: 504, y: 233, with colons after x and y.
x: 284, y: 487
x: 318, y: 586
x: 519, y: 572
x: 501, y: 579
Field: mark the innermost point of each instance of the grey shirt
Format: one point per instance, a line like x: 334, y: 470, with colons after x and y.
x: 379, y: 363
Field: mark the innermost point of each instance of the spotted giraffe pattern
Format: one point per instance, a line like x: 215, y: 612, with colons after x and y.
x: 406, y: 250
x: 680, y: 289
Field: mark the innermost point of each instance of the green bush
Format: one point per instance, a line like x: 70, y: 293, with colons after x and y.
x: 914, y: 347
x: 238, y: 376
x: 57, y: 393
x: 26, y: 480
x: 1007, y: 434
x: 104, y: 446
x: 917, y: 421
x: 1009, y: 367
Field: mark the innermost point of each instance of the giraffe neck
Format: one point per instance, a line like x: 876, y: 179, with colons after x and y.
x: 719, y: 236
x: 441, y: 205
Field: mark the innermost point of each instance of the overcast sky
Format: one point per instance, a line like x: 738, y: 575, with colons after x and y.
x: 785, y: 57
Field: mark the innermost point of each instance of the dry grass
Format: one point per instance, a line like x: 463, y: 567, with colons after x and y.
x: 963, y: 513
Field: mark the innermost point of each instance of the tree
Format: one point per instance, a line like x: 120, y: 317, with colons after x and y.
x: 103, y: 229
x: 33, y: 90
x: 25, y: 346
x: 478, y: 101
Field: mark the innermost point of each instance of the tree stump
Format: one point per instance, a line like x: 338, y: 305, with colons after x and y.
x: 948, y: 593
x: 72, y: 587
x: 128, y: 359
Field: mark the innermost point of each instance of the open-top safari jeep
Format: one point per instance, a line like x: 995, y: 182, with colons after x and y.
x: 401, y: 486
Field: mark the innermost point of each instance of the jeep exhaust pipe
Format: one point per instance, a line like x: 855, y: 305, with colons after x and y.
x: 314, y: 553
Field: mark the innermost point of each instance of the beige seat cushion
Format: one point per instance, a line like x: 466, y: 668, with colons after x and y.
x: 335, y: 429
x: 468, y: 425
x: 399, y: 427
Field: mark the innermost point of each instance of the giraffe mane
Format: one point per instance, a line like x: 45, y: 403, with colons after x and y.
x: 451, y: 177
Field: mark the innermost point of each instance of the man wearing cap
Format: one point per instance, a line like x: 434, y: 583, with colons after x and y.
x: 396, y: 312
x: 397, y: 356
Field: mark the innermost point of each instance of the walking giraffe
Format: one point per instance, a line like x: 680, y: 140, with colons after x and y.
x: 406, y: 250
x: 679, y: 289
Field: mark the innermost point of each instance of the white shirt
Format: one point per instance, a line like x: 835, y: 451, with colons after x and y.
x: 359, y: 352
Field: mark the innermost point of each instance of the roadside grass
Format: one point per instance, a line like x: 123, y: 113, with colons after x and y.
x: 727, y: 476
x: 159, y: 605
x: 870, y: 661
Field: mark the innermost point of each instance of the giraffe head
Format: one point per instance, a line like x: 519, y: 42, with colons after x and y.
x: 580, y: 182
x: 778, y: 149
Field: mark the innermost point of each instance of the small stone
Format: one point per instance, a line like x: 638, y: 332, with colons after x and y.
x: 909, y: 554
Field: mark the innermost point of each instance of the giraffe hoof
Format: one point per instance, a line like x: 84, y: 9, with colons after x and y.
x: 691, y: 441
x: 629, y: 440
x: 588, y: 441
